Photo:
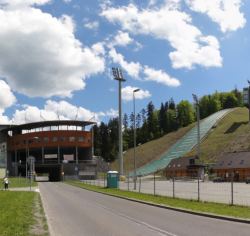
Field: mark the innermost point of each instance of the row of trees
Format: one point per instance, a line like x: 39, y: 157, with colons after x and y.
x: 152, y: 123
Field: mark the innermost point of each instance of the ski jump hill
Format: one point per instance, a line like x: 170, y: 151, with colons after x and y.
x: 183, y: 145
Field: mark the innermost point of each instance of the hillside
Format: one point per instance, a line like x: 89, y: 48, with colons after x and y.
x: 231, y: 134
x: 151, y: 150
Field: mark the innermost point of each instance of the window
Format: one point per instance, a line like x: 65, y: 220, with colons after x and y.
x: 62, y: 139
x: 54, y: 139
x: 46, y: 139
x: 72, y: 139
x: 81, y: 139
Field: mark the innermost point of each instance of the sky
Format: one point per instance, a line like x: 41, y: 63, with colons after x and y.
x: 56, y: 55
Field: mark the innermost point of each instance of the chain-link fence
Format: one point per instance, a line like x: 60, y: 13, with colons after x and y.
x: 232, y: 193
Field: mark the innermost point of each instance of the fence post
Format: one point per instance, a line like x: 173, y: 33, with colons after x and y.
x: 154, y: 183
x: 232, y: 189
x: 198, y: 187
x: 104, y: 178
x: 139, y: 184
x: 128, y: 182
x: 173, y: 187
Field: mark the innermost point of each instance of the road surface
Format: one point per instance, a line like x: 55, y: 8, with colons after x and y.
x: 74, y: 211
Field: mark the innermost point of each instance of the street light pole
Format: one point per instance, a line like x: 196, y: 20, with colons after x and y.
x: 134, y: 91
x: 198, y: 123
x: 117, y: 73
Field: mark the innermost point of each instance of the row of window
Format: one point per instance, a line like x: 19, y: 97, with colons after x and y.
x: 52, y: 139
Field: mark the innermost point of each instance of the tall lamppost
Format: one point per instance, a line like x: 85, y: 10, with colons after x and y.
x: 117, y: 73
x: 198, y: 123
x: 134, y: 91
x: 249, y: 99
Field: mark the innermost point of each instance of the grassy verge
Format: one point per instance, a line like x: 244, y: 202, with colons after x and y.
x: 19, y: 182
x: 206, y: 207
x: 17, y: 213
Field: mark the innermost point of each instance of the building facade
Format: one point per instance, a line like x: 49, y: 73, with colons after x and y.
x: 60, y: 148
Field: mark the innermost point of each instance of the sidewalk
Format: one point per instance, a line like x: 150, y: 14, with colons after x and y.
x: 34, y: 189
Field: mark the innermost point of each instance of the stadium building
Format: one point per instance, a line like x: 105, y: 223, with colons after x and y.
x: 59, y: 149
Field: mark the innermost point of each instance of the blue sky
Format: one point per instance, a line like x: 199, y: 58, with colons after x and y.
x: 56, y: 55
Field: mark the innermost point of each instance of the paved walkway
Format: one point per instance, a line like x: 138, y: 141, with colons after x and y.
x: 34, y: 189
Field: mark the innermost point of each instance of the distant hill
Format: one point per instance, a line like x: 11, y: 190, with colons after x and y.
x: 231, y: 134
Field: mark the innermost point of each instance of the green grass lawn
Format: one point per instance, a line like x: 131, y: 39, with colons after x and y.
x: 18, y: 182
x: 207, y: 207
x: 18, y: 212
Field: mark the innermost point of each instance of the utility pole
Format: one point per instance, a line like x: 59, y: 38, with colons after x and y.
x: 117, y: 73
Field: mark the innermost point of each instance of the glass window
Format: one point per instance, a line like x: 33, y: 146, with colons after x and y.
x: 81, y: 139
x: 62, y: 139
x: 46, y: 139
x: 54, y: 139
x: 72, y: 139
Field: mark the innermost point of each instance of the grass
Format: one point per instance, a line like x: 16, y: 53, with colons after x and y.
x: 231, y: 134
x: 19, y: 182
x: 17, y: 213
x: 207, y: 207
x: 151, y: 150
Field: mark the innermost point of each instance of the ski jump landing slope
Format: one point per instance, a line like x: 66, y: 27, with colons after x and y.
x: 183, y: 145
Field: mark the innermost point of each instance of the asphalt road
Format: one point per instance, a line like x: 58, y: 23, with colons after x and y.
x: 74, y: 211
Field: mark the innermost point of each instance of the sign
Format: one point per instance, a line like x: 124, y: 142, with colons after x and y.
x: 50, y: 156
x: 245, y: 96
x: 68, y: 157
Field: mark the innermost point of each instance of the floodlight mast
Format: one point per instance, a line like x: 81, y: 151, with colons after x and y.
x: 117, y: 73
x: 195, y: 97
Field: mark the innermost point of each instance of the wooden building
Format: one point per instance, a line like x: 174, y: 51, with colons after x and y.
x: 236, y: 164
x: 185, y: 167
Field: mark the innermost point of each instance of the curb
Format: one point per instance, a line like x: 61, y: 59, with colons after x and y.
x: 219, y: 217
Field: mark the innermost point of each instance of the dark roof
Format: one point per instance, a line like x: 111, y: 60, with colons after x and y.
x: 183, y: 163
x: 234, y: 160
x: 41, y: 124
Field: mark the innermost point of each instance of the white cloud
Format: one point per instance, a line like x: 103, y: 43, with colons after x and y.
x: 127, y: 93
x: 67, y: 1
x: 7, y: 98
x: 170, y: 24
x: 226, y: 13
x: 122, y: 39
x: 98, y: 48
x: 53, y: 110
x: 40, y: 56
x: 132, y: 68
x: 94, y: 25
x: 22, y: 3
x: 160, y: 76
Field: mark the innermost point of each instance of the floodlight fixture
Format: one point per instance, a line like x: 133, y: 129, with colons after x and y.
x: 117, y: 73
